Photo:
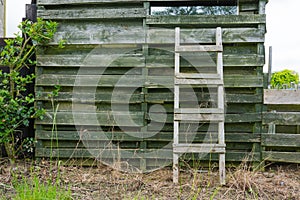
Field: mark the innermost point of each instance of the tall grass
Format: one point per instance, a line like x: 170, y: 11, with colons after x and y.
x: 34, y: 189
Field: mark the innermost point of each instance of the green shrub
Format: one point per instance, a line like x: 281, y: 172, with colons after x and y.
x: 16, y: 108
x: 284, y: 78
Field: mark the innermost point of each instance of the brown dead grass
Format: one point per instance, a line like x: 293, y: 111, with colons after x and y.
x: 101, y: 182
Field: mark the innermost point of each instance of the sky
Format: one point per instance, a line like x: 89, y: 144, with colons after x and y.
x: 283, y: 31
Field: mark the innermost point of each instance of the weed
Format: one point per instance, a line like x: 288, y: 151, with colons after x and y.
x: 34, y: 189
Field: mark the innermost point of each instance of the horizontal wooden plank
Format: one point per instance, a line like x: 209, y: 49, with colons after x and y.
x: 288, y: 157
x: 152, y: 61
x: 90, y: 80
x: 75, y: 2
x: 92, y: 13
x: 198, y: 48
x: 86, y: 97
x: 131, y: 144
x: 93, y: 118
x: 205, y: 35
x: 143, y: 136
x: 237, y: 127
x: 281, y: 118
x: 244, y: 117
x: 133, y: 33
x: 229, y: 98
x: 197, y: 60
x: 193, y: 2
x: 91, y: 60
x: 125, y: 31
x: 284, y: 107
x: 283, y: 97
x: 280, y: 140
x: 197, y: 75
x: 199, y: 110
x: 134, y: 81
x: 199, y: 117
x: 127, y: 154
x: 207, y: 20
x: 188, y: 81
x: 239, y: 81
x: 137, y: 98
x: 100, y: 144
x: 83, y: 2
x: 229, y: 118
x: 246, y: 7
x: 229, y: 81
x: 199, y: 148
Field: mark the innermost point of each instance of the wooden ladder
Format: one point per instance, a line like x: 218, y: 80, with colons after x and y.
x: 205, y: 115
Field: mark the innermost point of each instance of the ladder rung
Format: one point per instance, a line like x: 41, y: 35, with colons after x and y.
x: 199, y: 111
x: 199, y: 48
x: 197, y: 76
x: 199, y: 148
x: 199, y: 117
x: 184, y: 81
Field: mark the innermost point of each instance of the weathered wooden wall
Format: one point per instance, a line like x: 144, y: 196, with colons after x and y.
x: 118, y: 26
x: 281, y: 133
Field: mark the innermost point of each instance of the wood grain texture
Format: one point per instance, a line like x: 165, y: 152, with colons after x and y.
x: 119, y: 41
x: 92, y: 13
x: 207, y: 20
x: 280, y: 140
x: 286, y: 97
x: 281, y: 118
x: 287, y: 157
x: 74, y: 2
x: 132, y: 33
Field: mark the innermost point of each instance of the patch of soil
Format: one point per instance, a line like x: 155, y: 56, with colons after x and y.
x: 101, y: 182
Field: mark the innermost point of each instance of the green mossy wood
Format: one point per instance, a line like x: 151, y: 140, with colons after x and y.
x: 124, y: 30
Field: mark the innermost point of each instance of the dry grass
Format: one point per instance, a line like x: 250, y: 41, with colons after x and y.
x: 101, y: 182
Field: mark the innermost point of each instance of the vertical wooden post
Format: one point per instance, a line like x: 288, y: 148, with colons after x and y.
x: 31, y: 12
x: 257, y: 129
x: 143, y: 144
x: 176, y: 106
x: 221, y: 131
x: 270, y: 65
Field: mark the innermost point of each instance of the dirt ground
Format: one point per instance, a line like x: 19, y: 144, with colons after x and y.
x: 101, y: 182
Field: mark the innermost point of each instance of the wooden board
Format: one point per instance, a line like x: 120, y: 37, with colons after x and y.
x: 243, y: 20
x: 113, y: 60
x: 134, y: 80
x: 289, y: 157
x: 152, y: 61
x: 199, y: 117
x: 92, y: 13
x: 205, y: 35
x: 282, y: 118
x: 281, y: 140
x: 83, y: 153
x: 277, y: 97
x: 75, y: 2
x: 86, y: 97
x: 93, y: 118
x: 146, y: 136
x: 127, y: 33
x: 230, y: 98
